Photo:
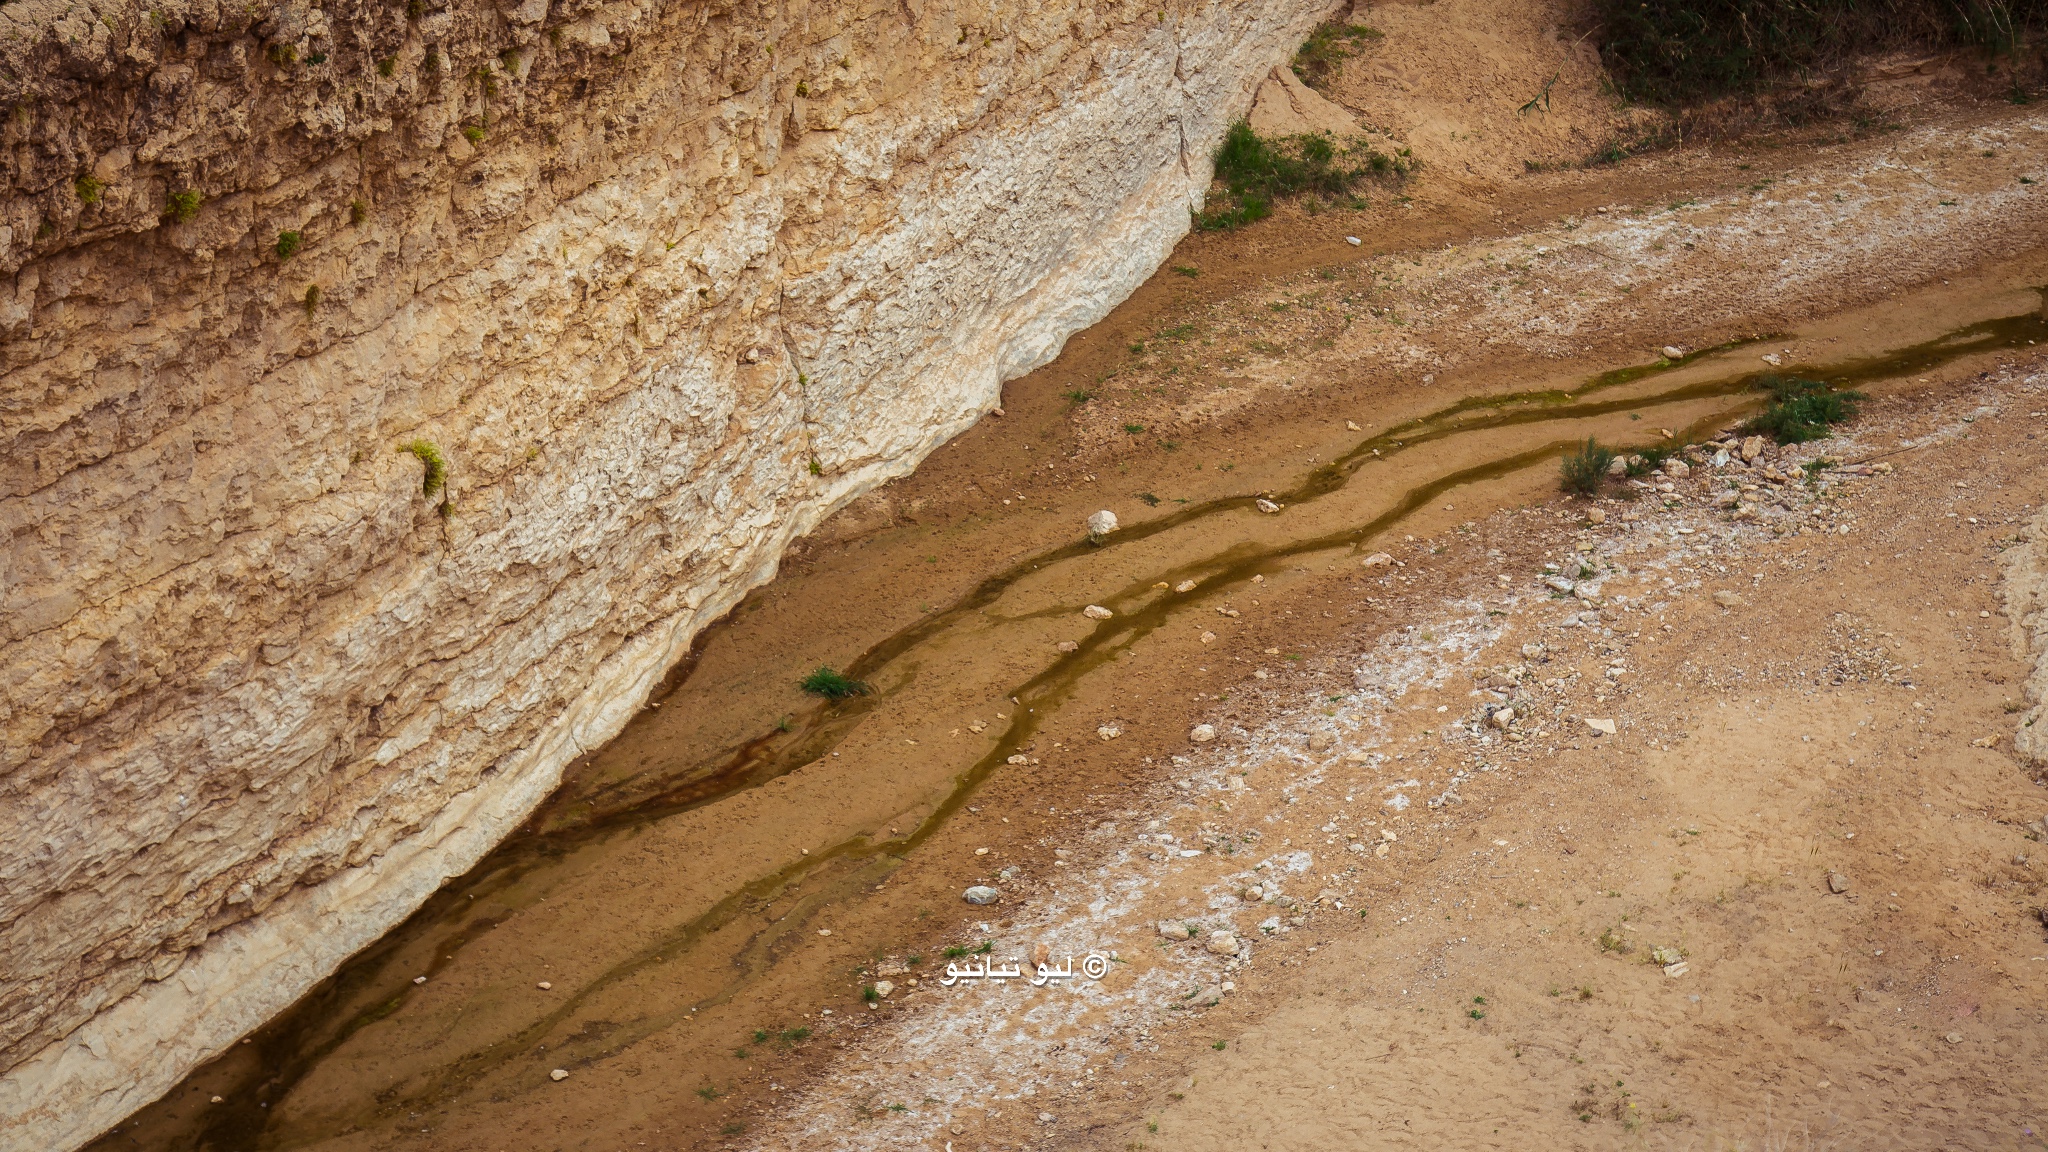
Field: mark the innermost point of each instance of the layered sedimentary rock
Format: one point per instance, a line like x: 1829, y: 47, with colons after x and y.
x: 641, y: 291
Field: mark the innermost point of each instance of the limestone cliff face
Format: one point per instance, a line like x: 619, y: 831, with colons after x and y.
x: 662, y: 283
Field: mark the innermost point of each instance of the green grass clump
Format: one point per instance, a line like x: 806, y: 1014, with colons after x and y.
x: 181, y: 207
x: 1255, y: 171
x: 473, y: 134
x: 288, y: 244
x: 832, y: 685
x: 1327, y: 48
x: 1584, y: 469
x: 88, y: 189
x: 436, y: 476
x: 1801, y: 410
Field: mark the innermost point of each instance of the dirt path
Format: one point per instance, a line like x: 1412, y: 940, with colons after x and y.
x: 708, y: 896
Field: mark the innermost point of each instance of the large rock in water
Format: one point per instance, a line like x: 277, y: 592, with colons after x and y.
x: 694, y: 283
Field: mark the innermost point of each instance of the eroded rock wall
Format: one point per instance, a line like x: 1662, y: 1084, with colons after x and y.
x: 663, y: 283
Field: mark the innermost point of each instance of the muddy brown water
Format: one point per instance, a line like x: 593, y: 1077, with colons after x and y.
x: 710, y: 955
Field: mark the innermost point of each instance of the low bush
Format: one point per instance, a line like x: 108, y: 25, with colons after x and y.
x: 1256, y: 170
x: 1584, y: 470
x: 1327, y: 48
x: 1801, y: 410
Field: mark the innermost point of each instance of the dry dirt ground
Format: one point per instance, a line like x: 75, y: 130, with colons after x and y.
x: 687, y: 929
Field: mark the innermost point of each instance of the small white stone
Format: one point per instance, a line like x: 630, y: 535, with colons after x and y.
x: 1097, y: 612
x: 1673, y: 352
x: 1222, y: 943
x: 544, y: 986
x: 883, y: 988
x: 1603, y: 727
x: 1175, y: 930
x: 1202, y: 733
x: 559, y: 1074
x: 1353, y: 241
x: 1109, y: 732
x: 419, y: 979
x: 1184, y: 586
x: 1376, y: 560
x: 1265, y: 505
x: 980, y: 894
x: 1727, y: 599
x: 1102, y: 523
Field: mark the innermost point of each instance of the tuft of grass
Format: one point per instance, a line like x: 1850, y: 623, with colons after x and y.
x: 358, y: 211
x: 1078, y: 396
x: 1801, y: 410
x: 88, y: 189
x: 436, y: 475
x: 1187, y: 270
x: 387, y: 66
x: 1317, y: 61
x: 473, y: 133
x: 868, y: 993
x: 954, y: 951
x: 832, y: 685
x: 1220, y: 1045
x: 283, y: 55
x: 288, y: 244
x: 181, y: 207
x: 1255, y: 171
x: 709, y: 1093
x: 311, y: 301
x: 1584, y: 470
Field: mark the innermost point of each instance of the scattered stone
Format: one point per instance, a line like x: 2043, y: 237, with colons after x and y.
x: 1352, y: 426
x: 1101, y: 524
x: 1619, y: 467
x: 544, y: 986
x: 1727, y: 599
x: 1954, y: 1037
x: 1597, y: 516
x: 1265, y: 505
x: 1175, y: 930
x: 1587, y: 590
x: 1381, y: 852
x: 1222, y: 942
x: 1376, y: 560
x: 883, y: 988
x: 1677, y: 469
x: 1045, y: 1117
x: 980, y: 894
x: 1985, y: 742
x: 1673, y: 352
x: 1321, y: 742
x: 1772, y: 358
x: 559, y: 1074
x: 1018, y: 758
x: 1663, y: 954
x: 1601, y: 727
x: 419, y: 979
x: 1353, y: 241
x: 1202, y: 733
x: 1752, y: 448
x: 1208, y: 637
x: 1727, y: 499
x: 1184, y: 586
x: 218, y: 1099
x: 1358, y: 847
x: 1559, y: 584
x: 1675, y: 969
x: 1502, y: 717
x: 1837, y: 883
x: 1097, y: 612
x: 1064, y: 646
x: 1109, y: 732
x: 1388, y: 835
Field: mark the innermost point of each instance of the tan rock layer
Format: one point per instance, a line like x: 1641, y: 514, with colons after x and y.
x: 663, y: 284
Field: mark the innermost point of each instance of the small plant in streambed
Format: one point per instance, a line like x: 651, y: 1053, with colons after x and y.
x: 435, y: 477
x: 1801, y: 410
x: 832, y: 685
x: 1584, y: 470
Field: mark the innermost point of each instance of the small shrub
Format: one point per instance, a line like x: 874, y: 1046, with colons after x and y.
x: 868, y: 993
x: 436, y: 475
x: 358, y: 211
x: 1801, y: 410
x: 312, y: 300
x: 387, y: 66
x: 1186, y: 270
x: 88, y: 189
x: 1255, y: 171
x: 817, y: 469
x: 1078, y: 396
x: 181, y: 207
x: 832, y: 685
x: 709, y: 1093
x: 283, y: 55
x: 1134, y: 429
x: 288, y: 244
x: 473, y: 133
x: 789, y: 1036
x: 1327, y: 48
x: 1584, y: 469
x: 431, y: 62
x: 317, y: 58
